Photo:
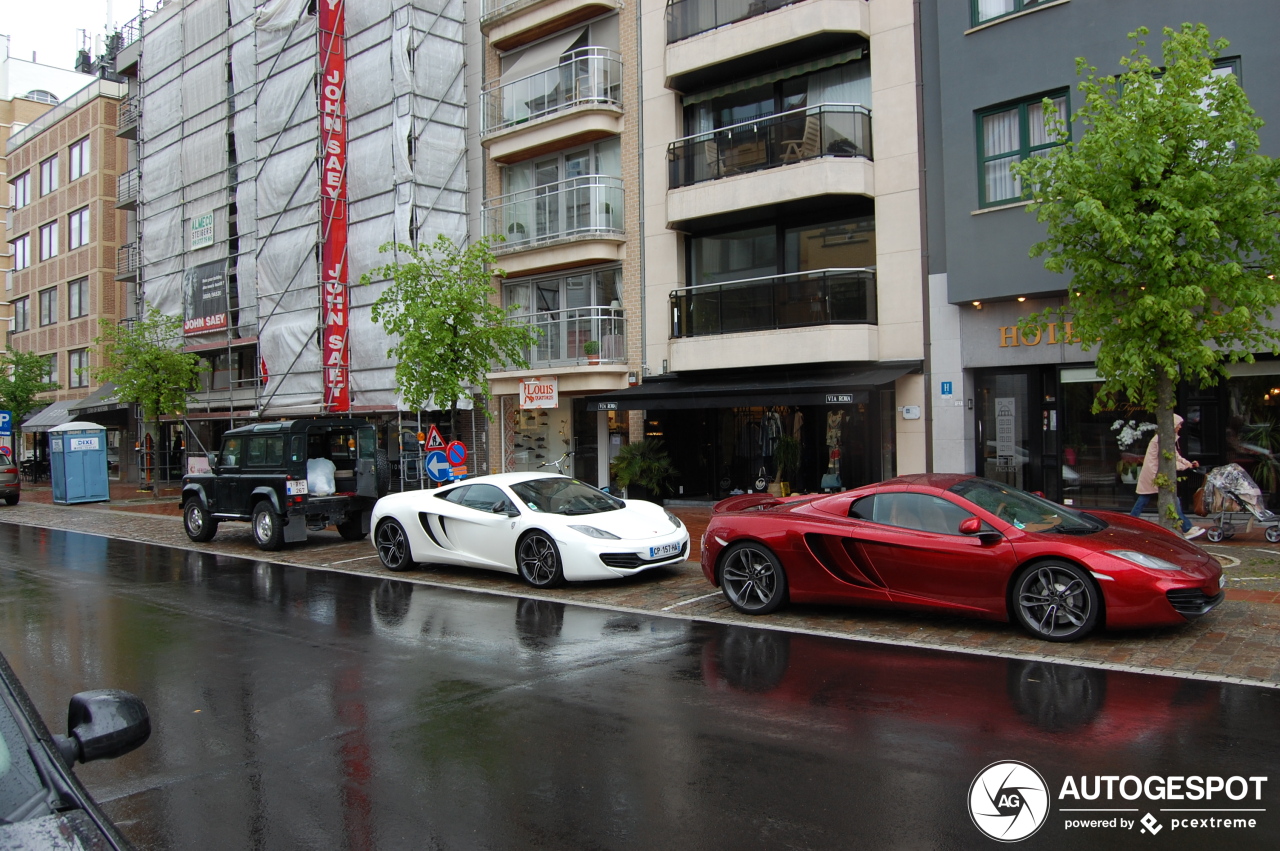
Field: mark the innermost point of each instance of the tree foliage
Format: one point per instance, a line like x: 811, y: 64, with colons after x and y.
x: 1164, y: 214
x: 21, y: 380
x: 448, y: 333
x: 143, y: 358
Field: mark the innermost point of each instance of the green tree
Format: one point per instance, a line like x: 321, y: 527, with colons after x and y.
x: 144, y: 359
x: 448, y: 332
x: 1164, y: 214
x: 21, y: 380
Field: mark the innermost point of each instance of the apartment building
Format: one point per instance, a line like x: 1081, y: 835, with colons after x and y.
x: 554, y: 141
x: 1015, y: 406
x: 63, y: 234
x: 781, y: 243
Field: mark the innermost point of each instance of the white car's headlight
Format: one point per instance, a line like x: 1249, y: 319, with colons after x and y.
x: 593, y: 532
x: 675, y: 521
x: 1143, y: 559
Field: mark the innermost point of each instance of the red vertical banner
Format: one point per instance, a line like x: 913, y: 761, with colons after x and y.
x: 334, y: 305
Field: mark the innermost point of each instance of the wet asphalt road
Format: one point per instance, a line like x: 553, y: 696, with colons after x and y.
x: 307, y: 709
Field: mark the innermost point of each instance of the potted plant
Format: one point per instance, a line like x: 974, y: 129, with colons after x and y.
x: 644, y: 469
x: 591, y: 348
x: 786, y: 454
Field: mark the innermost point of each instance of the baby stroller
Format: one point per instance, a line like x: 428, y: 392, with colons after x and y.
x: 1231, y: 494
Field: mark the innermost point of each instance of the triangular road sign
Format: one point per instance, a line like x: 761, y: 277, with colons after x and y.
x: 434, y: 440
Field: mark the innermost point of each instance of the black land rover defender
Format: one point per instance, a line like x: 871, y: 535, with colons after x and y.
x: 260, y: 475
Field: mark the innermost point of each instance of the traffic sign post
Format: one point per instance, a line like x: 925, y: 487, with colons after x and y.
x: 434, y: 440
x: 5, y: 451
x: 437, y: 466
x: 6, y: 424
x: 457, y: 452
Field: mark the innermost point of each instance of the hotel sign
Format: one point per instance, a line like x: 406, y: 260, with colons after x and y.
x: 335, y: 346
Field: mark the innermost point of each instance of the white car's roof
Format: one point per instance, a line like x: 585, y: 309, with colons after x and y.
x: 508, y: 479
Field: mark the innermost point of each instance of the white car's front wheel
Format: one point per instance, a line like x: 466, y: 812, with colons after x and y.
x: 538, y: 560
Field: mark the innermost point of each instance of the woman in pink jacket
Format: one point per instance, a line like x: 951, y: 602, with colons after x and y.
x: 1147, y: 480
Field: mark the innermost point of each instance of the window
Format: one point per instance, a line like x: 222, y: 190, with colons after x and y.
x: 920, y: 511
x: 79, y: 369
x: 265, y: 451
x: 41, y: 96
x: 1008, y: 134
x: 484, y: 498
x: 21, y: 252
x: 21, y: 314
x: 987, y: 10
x: 50, y: 375
x: 49, y: 240
x: 78, y: 232
x: 49, y: 306
x: 21, y: 191
x: 79, y: 158
x: 48, y: 175
x: 78, y: 298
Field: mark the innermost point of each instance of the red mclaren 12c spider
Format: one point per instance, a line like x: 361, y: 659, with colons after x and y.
x: 962, y: 545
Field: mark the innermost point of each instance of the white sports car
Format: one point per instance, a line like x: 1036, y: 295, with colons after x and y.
x: 546, y: 527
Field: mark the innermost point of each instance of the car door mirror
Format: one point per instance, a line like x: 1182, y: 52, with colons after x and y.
x: 213, y: 460
x: 104, y: 724
x: 973, y: 526
x: 506, y: 508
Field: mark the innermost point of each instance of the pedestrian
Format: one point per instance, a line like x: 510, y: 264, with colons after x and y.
x: 1147, y: 480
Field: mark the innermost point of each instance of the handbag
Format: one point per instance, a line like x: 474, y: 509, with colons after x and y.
x: 830, y: 480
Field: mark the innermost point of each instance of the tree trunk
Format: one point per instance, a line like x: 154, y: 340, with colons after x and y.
x: 1167, y: 469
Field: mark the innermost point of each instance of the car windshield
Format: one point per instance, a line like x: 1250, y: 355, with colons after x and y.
x: 562, y: 495
x: 1024, y: 510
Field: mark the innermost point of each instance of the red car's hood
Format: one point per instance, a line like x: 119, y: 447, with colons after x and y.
x: 1129, y: 533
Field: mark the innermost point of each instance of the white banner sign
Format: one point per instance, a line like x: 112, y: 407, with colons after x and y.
x: 81, y: 444
x: 539, y: 393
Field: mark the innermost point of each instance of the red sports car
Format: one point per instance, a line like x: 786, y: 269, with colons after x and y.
x: 960, y: 544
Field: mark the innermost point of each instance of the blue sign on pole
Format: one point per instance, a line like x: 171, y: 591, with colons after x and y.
x: 437, y: 466
x: 946, y: 388
x: 6, y: 424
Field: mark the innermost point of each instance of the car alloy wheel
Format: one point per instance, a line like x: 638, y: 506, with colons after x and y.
x: 539, y: 561
x: 393, y: 545
x: 752, y: 578
x: 1056, y: 601
x: 198, y: 523
x: 266, y: 527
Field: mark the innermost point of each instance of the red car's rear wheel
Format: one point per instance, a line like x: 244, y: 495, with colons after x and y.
x: 752, y: 578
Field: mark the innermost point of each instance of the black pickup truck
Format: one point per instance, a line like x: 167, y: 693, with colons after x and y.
x: 260, y: 475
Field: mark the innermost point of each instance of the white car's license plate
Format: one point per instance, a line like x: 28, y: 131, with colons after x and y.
x: 296, y: 488
x: 664, y: 550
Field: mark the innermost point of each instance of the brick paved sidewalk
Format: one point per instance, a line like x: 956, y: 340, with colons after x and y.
x: 1238, y: 642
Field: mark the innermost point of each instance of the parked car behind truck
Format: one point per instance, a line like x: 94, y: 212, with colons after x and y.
x: 259, y: 475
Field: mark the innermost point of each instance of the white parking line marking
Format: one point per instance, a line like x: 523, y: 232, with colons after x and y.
x: 346, y: 560
x: 687, y: 602
x: 1272, y: 552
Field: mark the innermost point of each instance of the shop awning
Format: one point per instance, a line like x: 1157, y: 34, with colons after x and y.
x: 99, y: 401
x: 787, y: 387
x: 55, y: 415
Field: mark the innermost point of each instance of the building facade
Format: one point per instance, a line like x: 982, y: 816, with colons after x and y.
x: 1015, y: 406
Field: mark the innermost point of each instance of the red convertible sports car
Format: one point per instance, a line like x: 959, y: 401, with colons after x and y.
x: 963, y: 545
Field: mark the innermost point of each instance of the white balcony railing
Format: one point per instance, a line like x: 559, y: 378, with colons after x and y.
x: 563, y: 336
x: 588, y: 75
x: 797, y: 300
x: 585, y: 206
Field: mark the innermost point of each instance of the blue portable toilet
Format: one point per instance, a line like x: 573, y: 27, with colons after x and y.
x: 78, y: 463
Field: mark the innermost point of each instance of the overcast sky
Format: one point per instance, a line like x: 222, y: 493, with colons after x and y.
x: 50, y: 27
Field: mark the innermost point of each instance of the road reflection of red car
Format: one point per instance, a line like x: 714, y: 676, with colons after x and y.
x: 960, y: 544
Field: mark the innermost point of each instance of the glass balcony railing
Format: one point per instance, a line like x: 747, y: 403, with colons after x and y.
x: 588, y: 75
x: 687, y: 18
x: 590, y: 205
x: 495, y: 8
x: 563, y: 336
x: 802, y: 299
x: 825, y: 130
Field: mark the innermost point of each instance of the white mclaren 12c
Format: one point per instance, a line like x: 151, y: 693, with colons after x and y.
x: 547, y: 528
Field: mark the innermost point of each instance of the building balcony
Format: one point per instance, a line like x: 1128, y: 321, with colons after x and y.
x: 569, y: 223
x: 577, y: 101
x: 128, y: 260
x: 511, y: 23
x: 722, y: 39
x: 563, y: 336
x: 791, y: 156
x: 127, y: 186
x: 127, y: 118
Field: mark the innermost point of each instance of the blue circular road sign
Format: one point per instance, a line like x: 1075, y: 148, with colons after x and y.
x: 437, y: 466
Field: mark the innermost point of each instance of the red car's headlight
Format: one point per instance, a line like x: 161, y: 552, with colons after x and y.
x: 1144, y: 560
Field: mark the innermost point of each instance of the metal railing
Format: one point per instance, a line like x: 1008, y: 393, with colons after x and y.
x: 801, y: 299
x: 590, y: 205
x: 128, y: 259
x: 127, y: 188
x: 825, y: 130
x: 563, y: 336
x: 687, y: 18
x: 130, y: 112
x: 588, y: 75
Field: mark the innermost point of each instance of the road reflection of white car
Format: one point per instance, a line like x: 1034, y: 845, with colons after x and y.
x: 545, y: 527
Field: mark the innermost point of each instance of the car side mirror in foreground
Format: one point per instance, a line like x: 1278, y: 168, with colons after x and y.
x: 103, y: 724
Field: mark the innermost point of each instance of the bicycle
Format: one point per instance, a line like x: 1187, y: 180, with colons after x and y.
x: 557, y: 463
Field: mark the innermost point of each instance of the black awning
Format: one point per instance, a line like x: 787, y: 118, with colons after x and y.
x: 755, y: 389
x: 101, y: 401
